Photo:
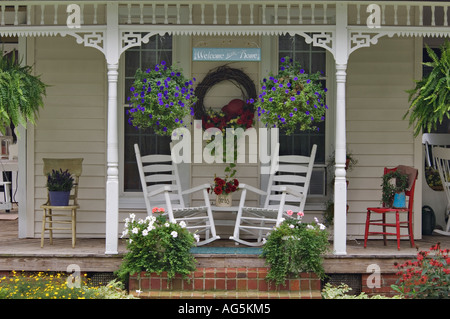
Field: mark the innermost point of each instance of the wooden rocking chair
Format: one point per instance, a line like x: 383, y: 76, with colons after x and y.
x: 161, y: 187
x: 287, y: 189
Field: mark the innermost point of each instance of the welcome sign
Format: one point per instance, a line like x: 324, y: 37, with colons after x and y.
x: 226, y: 54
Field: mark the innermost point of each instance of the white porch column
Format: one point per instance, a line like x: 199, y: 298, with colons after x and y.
x: 340, y: 184
x: 112, y: 174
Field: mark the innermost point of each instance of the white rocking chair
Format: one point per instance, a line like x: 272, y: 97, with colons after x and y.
x: 441, y: 158
x: 161, y: 187
x: 287, y: 189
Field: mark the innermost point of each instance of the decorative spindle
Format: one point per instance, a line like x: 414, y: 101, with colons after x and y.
x: 300, y: 13
x: 42, y: 14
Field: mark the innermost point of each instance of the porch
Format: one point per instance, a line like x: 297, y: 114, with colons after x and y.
x: 26, y: 254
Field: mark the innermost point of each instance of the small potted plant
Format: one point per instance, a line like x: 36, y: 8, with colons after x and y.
x: 393, y: 189
x: 225, y: 187
x: 59, y: 185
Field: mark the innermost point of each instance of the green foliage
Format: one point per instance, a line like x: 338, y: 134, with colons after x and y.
x: 427, y: 277
x: 294, y: 247
x: 59, y: 180
x: 43, y: 285
x: 389, y: 189
x: 341, y: 292
x: 156, y: 245
x: 430, y: 99
x: 292, y: 99
x: 21, y: 94
x: 161, y: 99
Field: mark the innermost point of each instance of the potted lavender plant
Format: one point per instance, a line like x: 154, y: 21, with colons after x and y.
x: 59, y: 185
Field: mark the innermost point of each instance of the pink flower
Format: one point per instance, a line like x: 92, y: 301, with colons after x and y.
x: 289, y: 212
x: 157, y: 210
x: 300, y: 214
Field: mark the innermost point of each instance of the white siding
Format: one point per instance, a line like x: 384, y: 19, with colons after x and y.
x: 72, y: 124
x: 377, y: 135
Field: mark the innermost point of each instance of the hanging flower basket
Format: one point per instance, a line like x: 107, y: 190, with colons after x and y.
x: 161, y: 98
x: 292, y: 99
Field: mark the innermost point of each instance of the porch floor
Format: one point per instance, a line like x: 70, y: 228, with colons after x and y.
x: 26, y: 253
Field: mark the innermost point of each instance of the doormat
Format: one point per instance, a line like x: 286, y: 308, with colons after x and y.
x: 227, y: 250
x: 7, y: 216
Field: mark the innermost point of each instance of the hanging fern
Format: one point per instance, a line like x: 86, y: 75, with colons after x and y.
x: 431, y: 96
x: 21, y: 93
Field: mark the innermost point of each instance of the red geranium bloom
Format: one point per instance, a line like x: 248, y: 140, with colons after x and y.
x: 217, y: 190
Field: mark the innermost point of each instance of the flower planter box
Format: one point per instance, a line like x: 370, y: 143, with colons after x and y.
x: 222, y: 282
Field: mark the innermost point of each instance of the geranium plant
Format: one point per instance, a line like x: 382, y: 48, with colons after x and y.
x: 226, y: 185
x: 292, y: 99
x: 295, y: 246
x: 427, y: 277
x: 155, y: 245
x: 161, y: 99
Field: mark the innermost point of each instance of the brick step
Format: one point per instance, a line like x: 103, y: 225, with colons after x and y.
x: 221, y: 282
x: 226, y: 294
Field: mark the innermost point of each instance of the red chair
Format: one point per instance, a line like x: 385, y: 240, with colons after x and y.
x: 383, y: 211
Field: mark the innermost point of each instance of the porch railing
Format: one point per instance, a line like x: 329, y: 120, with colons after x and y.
x: 226, y: 12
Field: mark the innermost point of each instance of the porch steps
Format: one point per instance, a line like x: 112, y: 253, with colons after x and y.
x: 224, y: 283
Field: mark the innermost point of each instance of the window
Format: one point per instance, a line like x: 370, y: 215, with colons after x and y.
x: 158, y: 48
x: 312, y: 59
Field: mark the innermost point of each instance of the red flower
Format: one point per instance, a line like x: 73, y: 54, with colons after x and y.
x: 217, y: 190
x: 236, y: 182
x: 219, y: 181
